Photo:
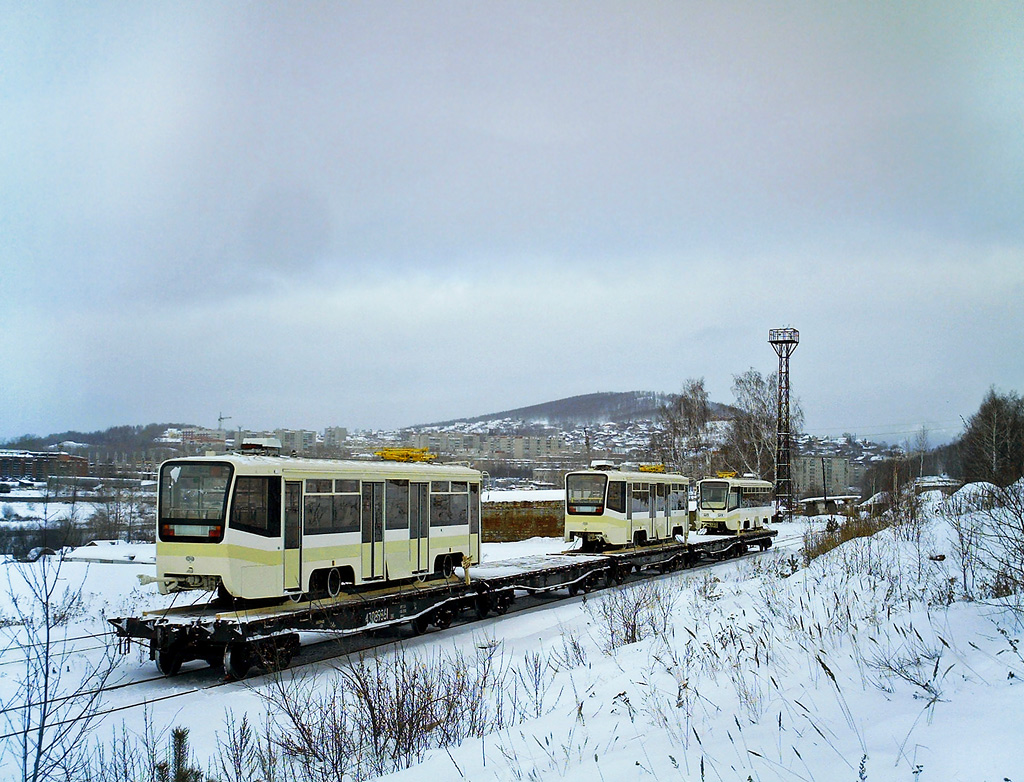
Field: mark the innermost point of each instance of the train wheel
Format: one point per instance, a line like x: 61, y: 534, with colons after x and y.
x: 443, y: 618
x: 170, y: 658
x: 334, y: 582
x: 619, y: 572
x: 483, y: 606
x: 275, y: 654
x: 420, y: 624
x: 237, y: 660
x: 502, y: 603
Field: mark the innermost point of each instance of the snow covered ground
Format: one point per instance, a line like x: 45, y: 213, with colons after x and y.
x: 866, y: 664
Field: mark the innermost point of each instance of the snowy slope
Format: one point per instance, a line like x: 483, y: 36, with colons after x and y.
x: 864, y: 665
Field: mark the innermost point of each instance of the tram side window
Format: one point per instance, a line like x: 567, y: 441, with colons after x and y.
x: 449, y: 509
x: 256, y: 506
x: 346, y: 512
x: 441, y: 510
x: 318, y: 485
x: 641, y: 498
x: 317, y: 518
x: 617, y: 496
x: 474, y: 508
x: 396, y: 505
x: 734, y: 499
x: 756, y: 499
x: 677, y: 498
x: 331, y: 514
x: 659, y: 498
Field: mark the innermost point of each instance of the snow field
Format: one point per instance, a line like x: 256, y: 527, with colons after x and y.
x: 865, y: 664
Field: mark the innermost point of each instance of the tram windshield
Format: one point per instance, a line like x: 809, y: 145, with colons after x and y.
x: 192, y: 501
x: 713, y: 495
x: 584, y: 494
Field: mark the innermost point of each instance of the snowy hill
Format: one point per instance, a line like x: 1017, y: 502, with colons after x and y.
x: 604, y: 407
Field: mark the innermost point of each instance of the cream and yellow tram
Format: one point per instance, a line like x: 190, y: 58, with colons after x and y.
x: 733, y: 504
x: 610, y: 507
x: 264, y: 526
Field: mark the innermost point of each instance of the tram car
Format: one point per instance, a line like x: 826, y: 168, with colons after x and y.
x: 734, y: 504
x: 264, y: 526
x: 606, y: 507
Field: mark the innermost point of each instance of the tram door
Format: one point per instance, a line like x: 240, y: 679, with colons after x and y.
x: 664, y: 524
x: 373, y: 529
x: 419, y: 527
x: 292, y: 534
x: 397, y: 548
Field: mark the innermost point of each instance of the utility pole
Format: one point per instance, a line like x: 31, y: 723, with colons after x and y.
x: 784, y: 341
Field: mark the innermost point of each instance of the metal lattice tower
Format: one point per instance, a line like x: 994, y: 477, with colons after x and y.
x: 784, y: 341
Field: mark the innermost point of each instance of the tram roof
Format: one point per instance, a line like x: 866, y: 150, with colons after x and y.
x: 274, y: 465
x: 738, y: 480
x: 635, y: 475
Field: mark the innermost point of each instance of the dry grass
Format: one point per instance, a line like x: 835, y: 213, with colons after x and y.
x: 818, y: 543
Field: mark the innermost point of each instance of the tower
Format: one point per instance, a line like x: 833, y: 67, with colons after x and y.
x: 784, y: 341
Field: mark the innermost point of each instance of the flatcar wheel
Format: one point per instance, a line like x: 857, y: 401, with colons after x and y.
x: 483, y: 606
x: 237, y: 660
x: 420, y: 624
x: 574, y: 589
x: 443, y: 618
x: 275, y: 655
x: 169, y: 659
x: 502, y: 604
x: 334, y: 582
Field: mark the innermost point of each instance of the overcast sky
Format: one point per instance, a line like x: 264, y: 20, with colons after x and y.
x: 380, y: 214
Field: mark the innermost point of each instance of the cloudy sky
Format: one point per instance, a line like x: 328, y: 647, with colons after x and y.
x: 375, y: 214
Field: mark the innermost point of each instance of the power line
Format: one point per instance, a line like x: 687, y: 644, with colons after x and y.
x: 931, y: 427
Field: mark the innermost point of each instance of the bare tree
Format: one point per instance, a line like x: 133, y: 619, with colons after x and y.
x: 683, y: 439
x: 119, y: 515
x: 921, y: 446
x: 993, y: 440
x: 752, y: 433
x: 1002, y: 543
x: 51, y: 712
x: 967, y: 531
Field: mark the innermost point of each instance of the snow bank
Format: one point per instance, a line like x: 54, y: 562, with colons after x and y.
x: 864, y: 664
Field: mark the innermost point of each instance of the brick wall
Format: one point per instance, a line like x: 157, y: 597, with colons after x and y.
x: 507, y: 521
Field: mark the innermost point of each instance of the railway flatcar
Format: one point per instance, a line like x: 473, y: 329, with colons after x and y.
x: 264, y: 526
x: 606, y: 507
x: 734, y: 504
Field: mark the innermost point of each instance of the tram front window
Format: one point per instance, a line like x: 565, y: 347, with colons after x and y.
x: 192, y: 501
x: 584, y: 494
x: 713, y: 495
